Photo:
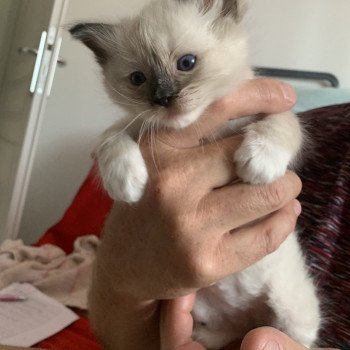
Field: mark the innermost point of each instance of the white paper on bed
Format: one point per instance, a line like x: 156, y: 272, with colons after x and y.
x: 25, y: 323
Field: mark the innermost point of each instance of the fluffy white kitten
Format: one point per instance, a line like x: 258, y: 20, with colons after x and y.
x: 166, y: 66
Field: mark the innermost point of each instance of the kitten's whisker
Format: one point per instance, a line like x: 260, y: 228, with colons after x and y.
x: 153, y: 143
x: 195, y: 128
x: 214, y: 139
x: 125, y: 104
x: 142, y: 130
x: 131, y: 122
x: 151, y: 133
x: 199, y: 133
x: 157, y: 126
x: 126, y: 97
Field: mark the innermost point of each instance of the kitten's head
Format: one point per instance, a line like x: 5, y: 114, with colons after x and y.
x: 173, y: 59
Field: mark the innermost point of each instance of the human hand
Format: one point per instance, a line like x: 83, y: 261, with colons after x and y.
x: 190, y: 228
x: 177, y: 323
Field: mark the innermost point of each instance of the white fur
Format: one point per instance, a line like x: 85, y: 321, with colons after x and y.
x: 259, y: 161
x: 121, y: 166
x: 276, y: 291
x: 185, y: 120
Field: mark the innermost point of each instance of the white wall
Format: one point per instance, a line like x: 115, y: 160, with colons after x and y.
x: 8, y: 14
x: 302, y: 34
x: 305, y: 34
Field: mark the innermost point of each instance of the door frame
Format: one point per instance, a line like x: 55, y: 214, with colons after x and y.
x: 35, y: 119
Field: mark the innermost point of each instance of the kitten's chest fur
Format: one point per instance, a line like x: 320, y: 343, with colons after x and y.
x: 276, y: 291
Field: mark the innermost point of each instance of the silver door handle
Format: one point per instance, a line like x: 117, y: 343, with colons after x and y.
x: 39, y: 57
x: 24, y: 50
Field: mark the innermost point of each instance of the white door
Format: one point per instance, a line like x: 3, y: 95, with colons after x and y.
x: 29, y: 45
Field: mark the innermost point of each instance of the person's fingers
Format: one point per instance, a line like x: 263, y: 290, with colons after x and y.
x: 176, y: 324
x: 213, y: 164
x: 241, y: 203
x: 210, y: 166
x: 267, y: 338
x: 263, y: 95
x: 243, y: 247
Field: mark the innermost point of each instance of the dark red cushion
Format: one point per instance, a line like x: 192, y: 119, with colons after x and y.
x: 78, y: 336
x: 85, y: 216
x: 325, y: 224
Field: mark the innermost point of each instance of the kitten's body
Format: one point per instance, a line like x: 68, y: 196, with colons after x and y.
x: 277, y: 290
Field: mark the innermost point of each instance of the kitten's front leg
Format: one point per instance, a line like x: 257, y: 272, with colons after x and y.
x: 269, y: 146
x: 122, y: 167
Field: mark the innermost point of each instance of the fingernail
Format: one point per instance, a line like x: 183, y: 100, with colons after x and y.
x: 289, y: 93
x: 271, y: 345
x: 297, y: 207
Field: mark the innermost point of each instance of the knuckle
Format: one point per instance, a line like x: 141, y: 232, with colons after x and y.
x: 265, y: 91
x: 274, y: 195
x: 288, y: 223
x: 295, y: 182
x: 162, y: 183
x: 276, y: 232
x: 270, y: 240
x: 200, y: 270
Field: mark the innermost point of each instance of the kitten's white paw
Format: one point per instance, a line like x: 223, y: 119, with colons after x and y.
x: 211, y: 338
x: 259, y: 161
x: 306, y: 336
x: 125, y: 176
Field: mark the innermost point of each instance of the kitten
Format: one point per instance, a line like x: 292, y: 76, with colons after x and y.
x: 166, y: 66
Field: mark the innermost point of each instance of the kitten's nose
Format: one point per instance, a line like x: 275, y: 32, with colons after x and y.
x: 164, y: 101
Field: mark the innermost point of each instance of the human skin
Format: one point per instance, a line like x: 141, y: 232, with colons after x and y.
x: 176, y: 329
x: 193, y: 226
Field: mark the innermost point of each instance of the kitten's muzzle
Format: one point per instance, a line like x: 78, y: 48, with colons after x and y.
x: 163, y: 94
x: 164, y: 101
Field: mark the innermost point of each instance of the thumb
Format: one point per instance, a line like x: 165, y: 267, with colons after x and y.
x: 176, y: 324
x: 262, y: 95
x: 267, y: 338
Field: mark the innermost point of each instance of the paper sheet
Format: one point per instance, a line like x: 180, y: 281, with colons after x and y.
x: 25, y: 323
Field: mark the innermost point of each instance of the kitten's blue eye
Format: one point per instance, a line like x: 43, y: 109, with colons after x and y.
x: 137, y: 78
x: 186, y: 63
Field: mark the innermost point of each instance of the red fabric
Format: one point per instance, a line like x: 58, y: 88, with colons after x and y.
x: 77, y: 336
x: 85, y: 216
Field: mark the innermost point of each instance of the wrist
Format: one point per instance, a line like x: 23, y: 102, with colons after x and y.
x: 135, y: 322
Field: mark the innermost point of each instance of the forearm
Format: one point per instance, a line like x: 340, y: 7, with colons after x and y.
x: 134, y: 323
x: 137, y: 326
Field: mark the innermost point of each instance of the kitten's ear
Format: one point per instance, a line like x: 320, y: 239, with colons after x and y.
x: 235, y: 8
x: 98, y: 37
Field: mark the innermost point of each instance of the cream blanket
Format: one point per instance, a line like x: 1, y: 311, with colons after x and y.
x: 65, y: 278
